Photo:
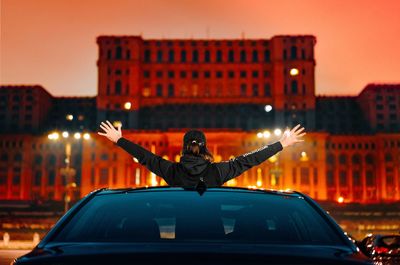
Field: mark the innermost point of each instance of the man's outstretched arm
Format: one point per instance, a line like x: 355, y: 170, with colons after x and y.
x: 234, y: 167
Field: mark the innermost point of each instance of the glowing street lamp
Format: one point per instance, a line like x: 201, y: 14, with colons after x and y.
x: 268, y: 108
x: 340, y: 199
x: 294, y: 71
x: 277, y: 132
x: 266, y: 134
x: 77, y: 135
x: 127, y: 105
x: 70, y: 117
x: 65, y: 134
x: 260, y: 135
x: 53, y: 136
x: 86, y: 136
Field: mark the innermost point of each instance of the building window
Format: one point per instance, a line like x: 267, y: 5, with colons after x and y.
x: 388, y: 157
x: 37, y: 160
x: 108, y: 54
x: 231, y: 56
x: 159, y: 74
x: 219, y: 74
x: 104, y: 156
x: 369, y: 159
x: 159, y: 56
x: 356, y: 159
x: 195, y: 74
x: 342, y: 159
x: 183, y: 56
x: 342, y: 178
x: 356, y: 178
x: 329, y: 178
x: 207, y: 56
x: 171, y: 90
x: 330, y: 159
x: 243, y: 74
x: 231, y: 74
x: 171, y: 56
x: 284, y: 55
x: 293, y: 52
x: 255, y: 56
x: 207, y: 74
x: 195, y: 56
x: 37, y: 178
x: 171, y: 74
x: 51, y: 160
x: 267, y: 56
x: 370, y: 178
x: 103, y: 176
x: 183, y: 74
x: 147, y: 56
x: 118, y: 53
x: 118, y: 87
x: 304, y: 176
x: 304, y: 89
x: 219, y: 56
x: 267, y: 90
x: 52, y: 177
x: 18, y: 157
x: 243, y: 90
x: 242, y: 56
x: 128, y: 54
x: 146, y: 74
x: 303, y: 54
x: 159, y: 90
x: 294, y: 87
x: 255, y: 74
x: 255, y: 90
x: 16, y: 179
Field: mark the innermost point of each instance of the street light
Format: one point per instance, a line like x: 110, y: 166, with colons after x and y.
x: 294, y: 71
x: 268, y: 108
x: 68, y: 172
x: 277, y: 132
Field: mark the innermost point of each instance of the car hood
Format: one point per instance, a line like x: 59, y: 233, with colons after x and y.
x: 190, y: 253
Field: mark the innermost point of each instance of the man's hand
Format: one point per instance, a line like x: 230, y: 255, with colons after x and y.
x: 291, y: 137
x: 111, y: 133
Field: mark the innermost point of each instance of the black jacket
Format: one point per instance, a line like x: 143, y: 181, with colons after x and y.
x: 192, y: 169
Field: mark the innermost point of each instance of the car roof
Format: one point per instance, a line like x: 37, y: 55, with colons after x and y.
x: 285, y: 193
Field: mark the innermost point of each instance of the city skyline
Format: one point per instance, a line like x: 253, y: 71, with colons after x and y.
x: 370, y: 42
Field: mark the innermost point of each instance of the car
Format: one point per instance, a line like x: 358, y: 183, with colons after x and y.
x: 174, y: 225
x: 383, y: 249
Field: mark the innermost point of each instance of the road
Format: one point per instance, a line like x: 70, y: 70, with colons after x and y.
x: 6, y: 256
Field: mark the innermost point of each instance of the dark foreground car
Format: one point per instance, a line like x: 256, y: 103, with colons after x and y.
x: 167, y: 225
x: 383, y: 249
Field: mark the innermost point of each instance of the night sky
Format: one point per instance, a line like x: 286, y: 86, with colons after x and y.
x: 53, y: 42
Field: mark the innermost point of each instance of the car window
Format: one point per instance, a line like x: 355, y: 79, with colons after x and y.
x: 175, y: 216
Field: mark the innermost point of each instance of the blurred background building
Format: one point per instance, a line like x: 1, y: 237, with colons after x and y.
x: 242, y: 92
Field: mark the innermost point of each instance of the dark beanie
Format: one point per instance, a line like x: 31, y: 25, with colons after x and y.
x: 194, y: 135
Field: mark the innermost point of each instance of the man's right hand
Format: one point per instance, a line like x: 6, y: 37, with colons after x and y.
x: 110, y: 132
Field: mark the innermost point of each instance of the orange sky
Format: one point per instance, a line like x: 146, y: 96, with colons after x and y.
x: 52, y: 42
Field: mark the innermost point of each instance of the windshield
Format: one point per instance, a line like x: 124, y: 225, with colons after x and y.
x: 175, y: 216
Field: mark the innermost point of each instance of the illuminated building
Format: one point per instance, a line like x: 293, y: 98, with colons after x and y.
x: 242, y: 93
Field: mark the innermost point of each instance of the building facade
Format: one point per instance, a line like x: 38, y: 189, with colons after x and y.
x: 242, y: 93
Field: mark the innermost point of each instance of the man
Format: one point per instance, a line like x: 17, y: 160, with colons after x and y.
x: 196, y: 164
